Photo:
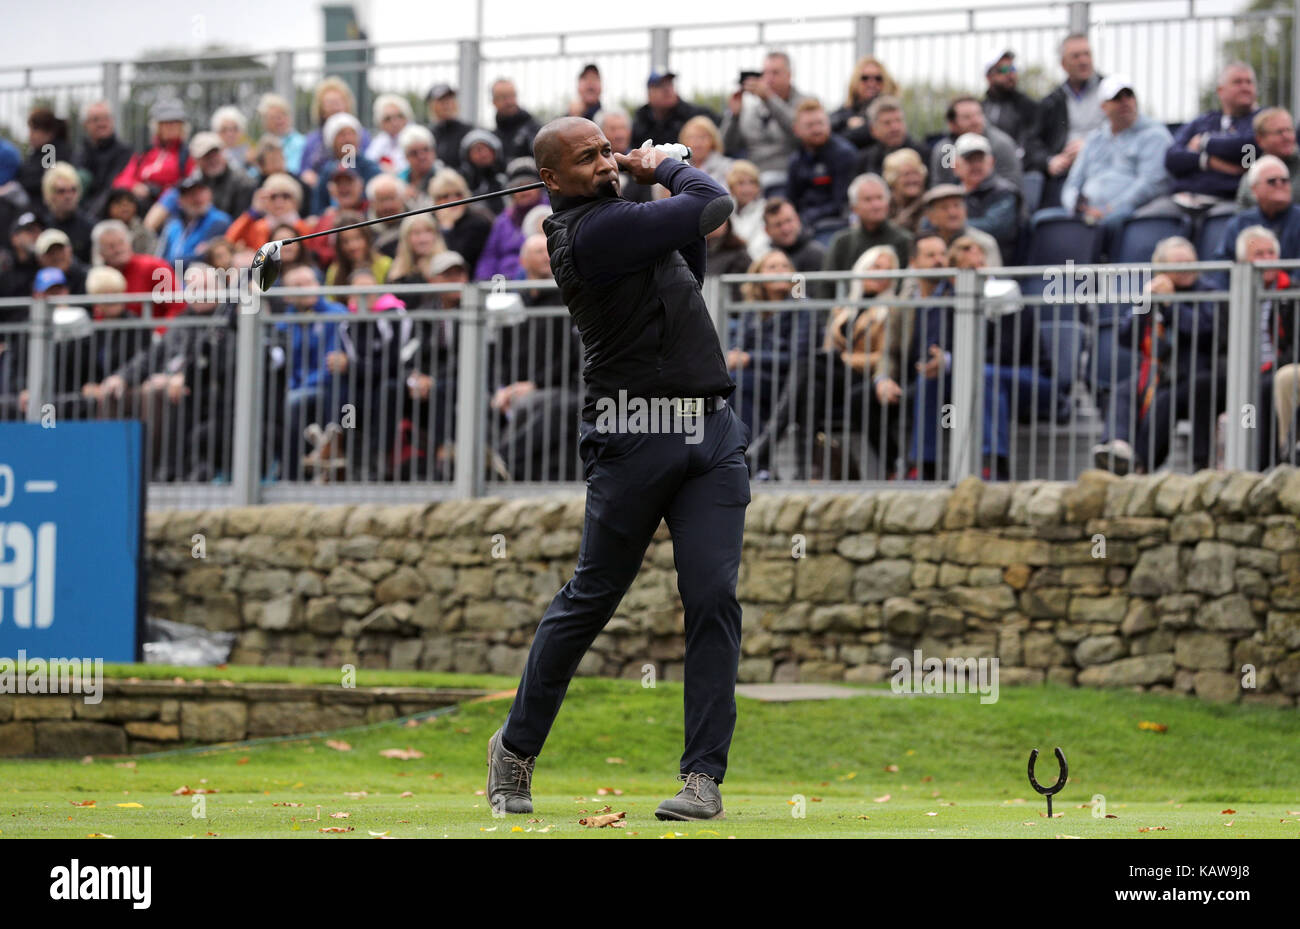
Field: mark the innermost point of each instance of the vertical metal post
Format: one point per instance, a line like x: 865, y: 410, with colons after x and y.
x: 471, y: 390
x: 247, y: 440
x: 713, y: 291
x: 864, y: 36
x: 1241, y: 444
x: 658, y: 48
x: 470, y: 90
x: 1295, y: 55
x: 39, y: 350
x: 966, y: 402
x: 1079, y: 17
x: 282, y: 79
x: 112, y: 81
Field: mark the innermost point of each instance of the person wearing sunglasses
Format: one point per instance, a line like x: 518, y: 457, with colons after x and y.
x: 61, y: 208
x: 868, y: 80
x: 1274, y: 135
x: 1271, y: 184
x: 1005, y: 105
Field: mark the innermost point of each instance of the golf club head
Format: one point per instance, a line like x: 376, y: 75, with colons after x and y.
x: 266, y: 265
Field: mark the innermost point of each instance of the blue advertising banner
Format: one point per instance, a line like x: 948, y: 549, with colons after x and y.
x: 71, y: 521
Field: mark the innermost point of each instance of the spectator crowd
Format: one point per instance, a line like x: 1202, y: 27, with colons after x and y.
x: 841, y: 185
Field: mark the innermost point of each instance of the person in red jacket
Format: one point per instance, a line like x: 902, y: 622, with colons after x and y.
x: 144, y: 273
x: 164, y: 163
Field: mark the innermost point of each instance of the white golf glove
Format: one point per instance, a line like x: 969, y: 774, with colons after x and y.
x: 671, y: 149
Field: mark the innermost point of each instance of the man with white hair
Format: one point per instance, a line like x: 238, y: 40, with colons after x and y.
x: 1274, y: 210
x: 869, y: 201
x: 143, y: 273
x: 386, y: 195
x: 1274, y: 135
x: 103, y: 156
x: 420, y: 154
x: 1208, y: 156
x: 1279, y: 332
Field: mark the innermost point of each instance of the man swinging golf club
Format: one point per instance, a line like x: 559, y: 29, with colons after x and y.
x: 630, y: 274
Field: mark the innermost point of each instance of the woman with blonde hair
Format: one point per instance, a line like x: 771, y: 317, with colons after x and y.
x: 418, y: 240
x: 905, y: 174
x: 277, y: 202
x: 392, y: 114
x: 465, y: 229
x: 744, y: 184
x: 870, y: 79
x: 331, y: 96
x: 705, y: 141
x: 61, y: 191
x: 229, y: 123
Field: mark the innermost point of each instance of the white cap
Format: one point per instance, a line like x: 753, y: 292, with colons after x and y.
x: 1111, y: 86
x: 969, y: 142
x: 989, y: 65
x: 204, y: 142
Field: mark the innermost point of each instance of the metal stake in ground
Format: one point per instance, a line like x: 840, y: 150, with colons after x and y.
x: 1060, y: 781
x: 266, y: 263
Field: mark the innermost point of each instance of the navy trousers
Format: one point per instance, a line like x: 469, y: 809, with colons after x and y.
x: 634, y: 480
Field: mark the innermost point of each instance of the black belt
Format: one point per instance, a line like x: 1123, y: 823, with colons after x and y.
x: 685, y: 405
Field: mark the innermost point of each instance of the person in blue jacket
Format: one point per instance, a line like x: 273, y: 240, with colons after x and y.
x: 184, y: 235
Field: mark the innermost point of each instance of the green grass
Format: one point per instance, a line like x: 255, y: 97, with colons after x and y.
x: 963, y: 761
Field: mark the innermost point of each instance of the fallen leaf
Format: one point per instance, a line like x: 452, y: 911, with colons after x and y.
x: 1230, y: 822
x: 1054, y: 815
x: 214, y: 833
x: 863, y: 816
x: 1111, y: 816
x: 891, y: 768
x: 931, y: 814
x: 884, y: 799
x: 595, y: 822
x: 815, y: 799
x: 186, y: 790
x: 338, y: 745
x: 100, y: 835
x: 356, y: 794
x: 286, y: 803
x: 927, y: 779
x: 379, y: 835
x: 1226, y: 812
x: 1068, y: 836
x: 485, y: 829
x: 131, y: 806
x: 243, y: 760
x: 339, y: 815
x: 404, y: 794
x: 82, y: 802
x: 1154, y: 829
x: 480, y: 793
x: 1153, y: 727
x: 615, y: 761
x: 516, y: 828
x: 402, y: 754
x: 336, y: 829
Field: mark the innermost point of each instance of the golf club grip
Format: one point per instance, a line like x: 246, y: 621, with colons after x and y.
x: 426, y: 209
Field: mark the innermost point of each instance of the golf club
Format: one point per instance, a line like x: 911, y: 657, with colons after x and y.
x: 266, y: 263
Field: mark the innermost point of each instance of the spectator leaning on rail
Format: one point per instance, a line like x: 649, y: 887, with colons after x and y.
x: 1274, y: 135
x: 1181, y: 369
x: 904, y: 171
x: 868, y: 198
x: 515, y: 126
x: 587, y: 102
x: 1122, y: 165
x: 1209, y: 154
x: 277, y: 121
x: 759, y: 121
x: 966, y: 114
x: 1065, y: 117
x: 102, y: 157
x: 785, y: 231
x: 392, y: 114
x: 820, y: 171
x: 1274, y: 210
x: 61, y: 207
x: 184, y: 235
x: 993, y: 204
x: 662, y: 117
x: 501, y: 251
x: 444, y: 120
x: 870, y: 79
x: 1005, y: 105
x: 166, y: 161
x: 342, y: 135
x: 945, y: 214
x: 888, y: 135
x: 232, y: 189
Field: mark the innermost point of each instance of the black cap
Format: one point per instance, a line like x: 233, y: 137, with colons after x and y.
x: 192, y: 180
x: 438, y: 91
x: 586, y: 68
x: 24, y: 221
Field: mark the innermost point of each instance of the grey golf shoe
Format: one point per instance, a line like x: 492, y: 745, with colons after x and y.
x: 698, y: 799
x: 510, y: 778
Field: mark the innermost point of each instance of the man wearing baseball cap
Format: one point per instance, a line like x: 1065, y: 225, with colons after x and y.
x: 445, y: 123
x: 993, y: 203
x: 587, y: 103
x: 945, y: 216
x: 19, y: 265
x: 54, y: 250
x: 663, y: 116
x: 1005, y: 106
x: 232, y: 188
x: 185, y: 235
x: 1121, y: 167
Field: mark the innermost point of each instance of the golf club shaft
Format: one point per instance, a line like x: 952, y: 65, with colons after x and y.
x: 426, y: 209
